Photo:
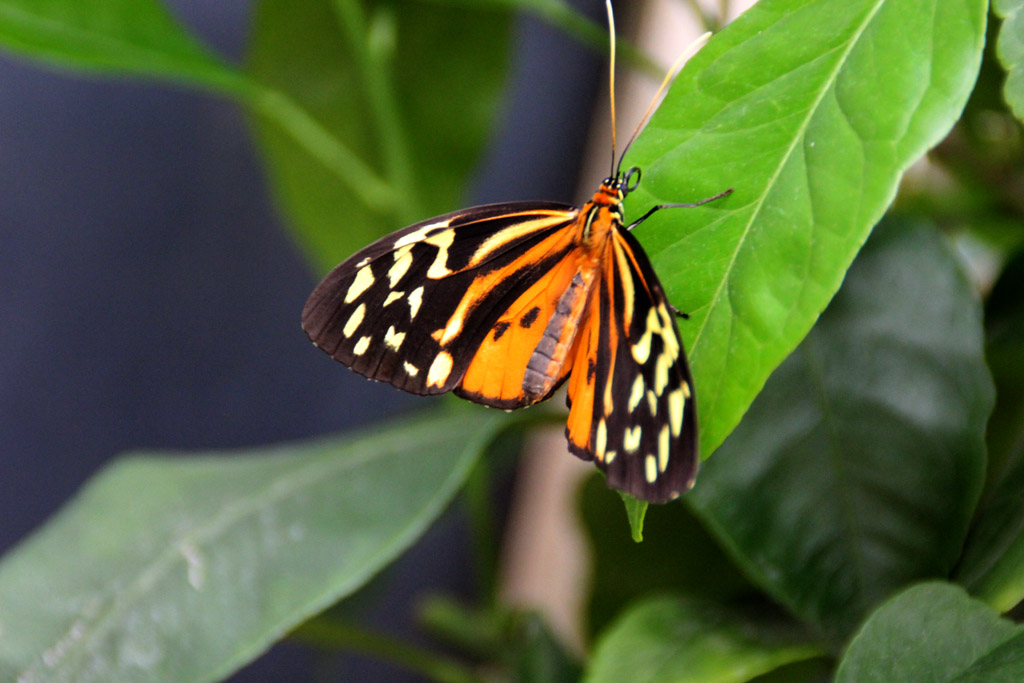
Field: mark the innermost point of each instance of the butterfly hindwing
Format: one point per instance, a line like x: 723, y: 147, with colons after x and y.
x: 413, y: 308
x: 632, y: 406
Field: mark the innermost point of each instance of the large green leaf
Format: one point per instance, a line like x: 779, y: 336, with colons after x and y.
x: 992, y: 566
x: 137, y: 36
x: 184, y: 569
x: 1010, y: 49
x: 668, y: 640
x: 933, y: 632
x: 811, y: 110
x: 411, y: 87
x: 858, y: 467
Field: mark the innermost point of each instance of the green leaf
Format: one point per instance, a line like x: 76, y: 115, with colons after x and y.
x: 636, y: 510
x: 677, y: 555
x: 811, y: 111
x: 136, y: 36
x: 668, y: 640
x: 174, y: 568
x: 1010, y: 50
x: 858, y: 467
x: 1004, y: 662
x: 932, y: 632
x: 992, y: 567
x: 414, y: 108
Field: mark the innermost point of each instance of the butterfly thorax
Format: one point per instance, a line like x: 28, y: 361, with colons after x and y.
x: 602, y: 214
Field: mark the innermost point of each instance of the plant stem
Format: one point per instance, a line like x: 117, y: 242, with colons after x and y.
x: 373, y: 65
x: 333, y: 634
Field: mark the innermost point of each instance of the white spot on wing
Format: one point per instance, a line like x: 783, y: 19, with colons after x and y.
x: 394, y: 339
x: 403, y: 259
x: 676, y: 401
x: 636, y: 394
x: 419, y: 234
x: 661, y: 366
x: 631, y: 439
x: 354, y: 321
x: 361, y: 346
x: 650, y: 469
x: 362, y: 281
x: 601, y: 440
x: 415, y: 300
x: 393, y: 297
x: 439, y: 370
x: 442, y: 240
x: 663, y: 446
x: 410, y: 369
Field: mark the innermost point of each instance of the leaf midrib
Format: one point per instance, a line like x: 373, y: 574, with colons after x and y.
x: 828, y: 85
x: 226, y: 518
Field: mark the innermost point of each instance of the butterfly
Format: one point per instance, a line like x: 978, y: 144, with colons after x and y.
x: 504, y: 303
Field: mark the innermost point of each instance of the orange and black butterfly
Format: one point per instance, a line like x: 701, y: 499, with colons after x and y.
x: 503, y: 303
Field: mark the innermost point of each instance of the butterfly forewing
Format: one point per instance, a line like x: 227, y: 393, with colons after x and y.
x: 413, y: 308
x: 631, y: 394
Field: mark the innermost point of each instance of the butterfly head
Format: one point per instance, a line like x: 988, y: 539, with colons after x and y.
x: 621, y: 184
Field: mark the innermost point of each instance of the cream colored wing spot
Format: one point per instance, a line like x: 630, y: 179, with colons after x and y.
x: 642, y: 348
x: 609, y: 456
x: 636, y: 394
x: 631, y: 439
x: 676, y: 401
x: 361, y: 346
x: 393, y: 339
x: 410, y: 369
x: 661, y: 368
x: 439, y: 370
x: 601, y: 440
x: 686, y: 389
x: 362, y: 282
x: 415, y: 301
x: 393, y: 297
x: 419, y: 234
x: 354, y: 321
x: 663, y: 448
x: 652, y: 402
x: 650, y: 469
x: 442, y: 240
x: 403, y: 259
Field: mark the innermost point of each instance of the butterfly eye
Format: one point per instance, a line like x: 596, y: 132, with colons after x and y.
x: 631, y: 181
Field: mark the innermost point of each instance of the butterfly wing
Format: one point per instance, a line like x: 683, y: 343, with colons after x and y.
x: 632, y: 407
x: 415, y: 307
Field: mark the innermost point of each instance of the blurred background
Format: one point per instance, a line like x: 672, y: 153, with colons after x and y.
x: 150, y: 295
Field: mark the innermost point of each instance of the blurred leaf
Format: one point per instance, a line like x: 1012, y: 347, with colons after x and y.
x: 932, y: 632
x: 186, y: 568
x: 677, y: 556
x: 539, y: 657
x: 858, y: 467
x: 667, y: 640
x: 1005, y: 662
x: 1010, y: 49
x: 992, y: 566
x: 137, y: 36
x: 411, y: 87
x: 811, y: 111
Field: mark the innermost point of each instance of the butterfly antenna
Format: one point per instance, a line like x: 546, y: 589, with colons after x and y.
x: 611, y: 77
x: 693, y: 48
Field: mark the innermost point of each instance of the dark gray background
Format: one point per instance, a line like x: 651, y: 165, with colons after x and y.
x: 150, y: 297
